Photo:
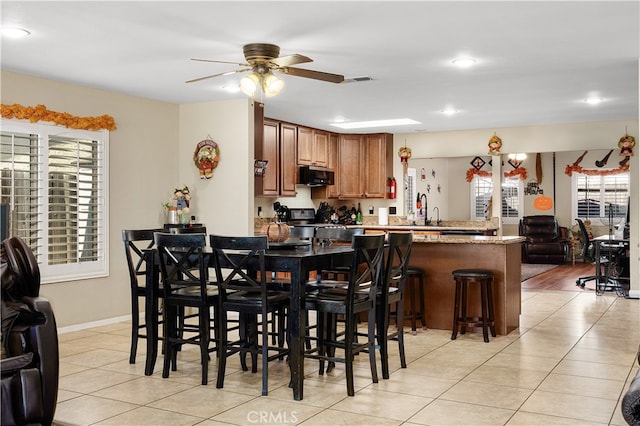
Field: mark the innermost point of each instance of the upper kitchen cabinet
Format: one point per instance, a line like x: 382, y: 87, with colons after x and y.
x: 313, y: 147
x: 276, y: 143
x: 330, y: 191
x: 364, y: 162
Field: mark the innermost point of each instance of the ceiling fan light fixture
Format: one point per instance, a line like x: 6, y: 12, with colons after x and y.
x: 272, y: 85
x: 249, y: 84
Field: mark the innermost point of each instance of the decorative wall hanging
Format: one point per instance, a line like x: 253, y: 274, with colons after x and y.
x: 521, y: 172
x: 477, y: 163
x: 533, y: 188
x: 41, y: 113
x: 603, y: 162
x: 626, y: 144
x: 206, y: 157
x: 423, y: 174
x: 260, y: 167
x: 576, y: 168
x: 543, y: 202
x: 495, y: 143
x: 405, y: 154
x: 538, y: 168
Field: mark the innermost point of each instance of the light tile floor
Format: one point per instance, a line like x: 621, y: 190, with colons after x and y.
x: 569, y: 363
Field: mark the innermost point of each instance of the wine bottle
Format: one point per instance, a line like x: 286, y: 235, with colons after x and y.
x: 359, y: 216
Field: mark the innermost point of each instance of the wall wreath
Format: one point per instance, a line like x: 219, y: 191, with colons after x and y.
x: 206, y: 157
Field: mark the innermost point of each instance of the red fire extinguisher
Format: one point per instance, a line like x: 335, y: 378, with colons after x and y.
x: 392, y: 187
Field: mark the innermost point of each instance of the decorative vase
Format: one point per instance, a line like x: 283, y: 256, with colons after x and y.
x: 172, y: 216
x: 184, y: 218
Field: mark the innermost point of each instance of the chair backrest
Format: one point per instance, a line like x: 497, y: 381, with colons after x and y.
x: 587, y: 252
x: 182, y: 261
x: 188, y: 230
x: 23, y: 268
x: 366, y: 268
x: 398, y: 253
x: 238, y: 261
x: 135, y: 241
x: 539, y: 228
x: 337, y: 235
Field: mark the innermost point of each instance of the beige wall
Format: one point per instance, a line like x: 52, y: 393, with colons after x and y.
x: 223, y: 203
x: 142, y: 172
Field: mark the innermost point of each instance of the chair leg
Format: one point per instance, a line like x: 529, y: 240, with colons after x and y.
x: 169, y: 332
x: 456, y: 310
x: 382, y: 326
x: 265, y: 352
x: 135, y: 327
x: 371, y: 325
x: 348, y: 355
x: 204, y: 328
x: 222, y: 348
x: 400, y: 322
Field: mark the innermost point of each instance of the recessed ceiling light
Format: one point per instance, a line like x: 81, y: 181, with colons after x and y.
x: 14, y: 32
x: 464, y: 62
x: 376, y: 123
x: 593, y: 101
x: 449, y: 111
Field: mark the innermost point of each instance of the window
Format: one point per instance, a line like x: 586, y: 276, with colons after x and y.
x: 54, y: 180
x: 597, y: 197
x: 482, y: 190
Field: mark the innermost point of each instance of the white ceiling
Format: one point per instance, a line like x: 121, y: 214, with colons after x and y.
x: 537, y: 61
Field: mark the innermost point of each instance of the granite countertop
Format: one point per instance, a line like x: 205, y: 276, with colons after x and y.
x: 466, y: 239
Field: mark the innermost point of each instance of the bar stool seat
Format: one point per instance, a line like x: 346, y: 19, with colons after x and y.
x: 414, y: 288
x: 461, y: 320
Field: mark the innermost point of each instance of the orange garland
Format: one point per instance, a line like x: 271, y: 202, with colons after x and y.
x: 520, y: 171
x: 41, y: 113
x: 569, y: 170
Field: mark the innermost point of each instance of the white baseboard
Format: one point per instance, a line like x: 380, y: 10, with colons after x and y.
x: 84, y: 326
x: 634, y: 294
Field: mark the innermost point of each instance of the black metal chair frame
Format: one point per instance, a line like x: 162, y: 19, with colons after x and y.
x: 392, y: 294
x: 359, y: 295
x: 137, y: 268
x: 240, y: 270
x: 185, y: 280
x: 587, y: 253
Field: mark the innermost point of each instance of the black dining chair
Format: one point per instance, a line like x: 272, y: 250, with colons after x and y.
x: 240, y: 271
x: 135, y: 241
x: 185, y: 279
x: 588, y: 252
x: 357, y: 295
x: 391, y: 294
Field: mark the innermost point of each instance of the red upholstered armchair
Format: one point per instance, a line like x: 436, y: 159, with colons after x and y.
x: 546, y: 242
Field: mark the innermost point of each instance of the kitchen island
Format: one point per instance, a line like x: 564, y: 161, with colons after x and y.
x: 439, y: 255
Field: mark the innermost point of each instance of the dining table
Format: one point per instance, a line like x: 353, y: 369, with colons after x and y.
x: 297, y: 260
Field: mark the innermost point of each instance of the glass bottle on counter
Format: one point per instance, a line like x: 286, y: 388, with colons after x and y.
x: 359, y: 216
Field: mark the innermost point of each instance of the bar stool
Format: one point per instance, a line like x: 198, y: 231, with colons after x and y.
x: 463, y: 277
x: 414, y: 287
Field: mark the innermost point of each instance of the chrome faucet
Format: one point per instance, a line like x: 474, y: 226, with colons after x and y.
x: 424, y: 206
x: 437, y: 210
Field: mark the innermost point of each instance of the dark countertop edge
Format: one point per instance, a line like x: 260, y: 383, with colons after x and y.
x: 427, y: 227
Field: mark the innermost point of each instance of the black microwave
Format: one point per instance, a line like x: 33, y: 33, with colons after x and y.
x: 315, y: 176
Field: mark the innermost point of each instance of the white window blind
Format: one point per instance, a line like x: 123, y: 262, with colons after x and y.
x: 512, y: 194
x: 596, y: 197
x: 55, y: 181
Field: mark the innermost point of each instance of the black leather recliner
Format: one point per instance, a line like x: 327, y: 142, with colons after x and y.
x: 545, y: 242
x: 30, y: 358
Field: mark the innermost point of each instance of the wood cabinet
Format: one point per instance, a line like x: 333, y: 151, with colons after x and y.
x: 330, y: 191
x: 276, y: 143
x: 364, y: 162
x: 313, y: 147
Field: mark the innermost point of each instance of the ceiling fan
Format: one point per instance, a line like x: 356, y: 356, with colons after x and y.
x: 262, y: 59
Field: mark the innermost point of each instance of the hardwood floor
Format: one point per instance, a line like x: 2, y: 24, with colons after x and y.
x: 562, y: 278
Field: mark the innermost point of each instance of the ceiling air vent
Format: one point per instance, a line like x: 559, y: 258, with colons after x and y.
x: 357, y: 79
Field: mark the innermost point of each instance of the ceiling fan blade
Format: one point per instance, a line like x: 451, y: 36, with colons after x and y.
x: 285, y: 61
x: 220, y: 62
x: 217, y: 75
x: 316, y: 75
